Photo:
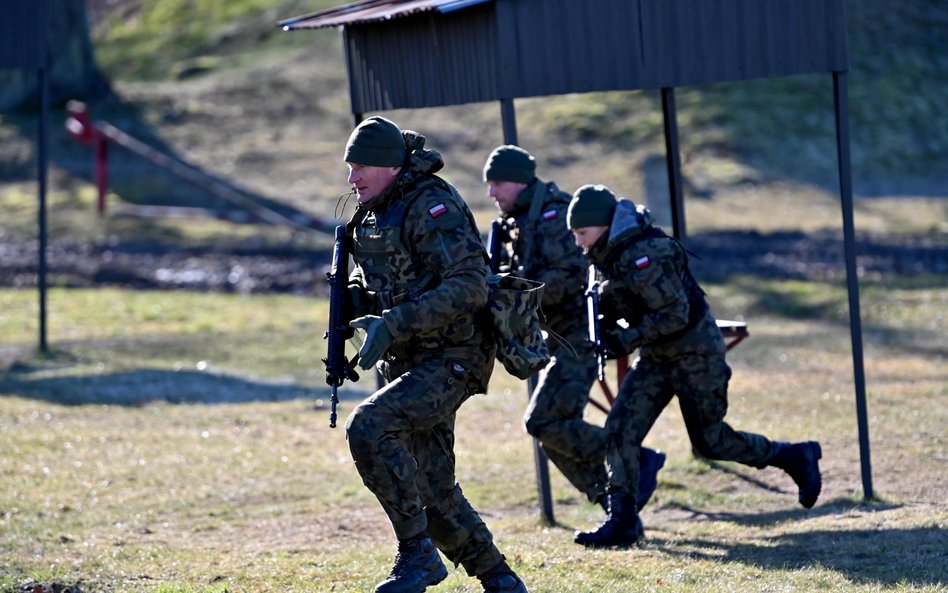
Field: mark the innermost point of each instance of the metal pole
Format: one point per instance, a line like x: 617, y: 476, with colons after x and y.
x: 101, y: 147
x: 42, y: 158
x: 673, y: 158
x: 840, y: 97
x: 509, y: 118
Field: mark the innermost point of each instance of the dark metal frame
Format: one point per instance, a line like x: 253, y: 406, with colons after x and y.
x: 27, y: 25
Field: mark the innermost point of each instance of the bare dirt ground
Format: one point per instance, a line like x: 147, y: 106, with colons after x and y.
x: 153, y: 265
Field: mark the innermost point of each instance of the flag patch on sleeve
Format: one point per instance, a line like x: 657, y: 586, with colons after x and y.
x: 549, y: 214
x: 642, y: 262
x: 437, y: 210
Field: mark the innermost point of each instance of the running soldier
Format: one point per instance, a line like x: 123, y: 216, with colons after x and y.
x: 420, y: 286
x: 681, y: 352
x: 538, y: 245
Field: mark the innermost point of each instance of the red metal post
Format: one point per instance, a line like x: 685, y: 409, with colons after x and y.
x: 101, y: 168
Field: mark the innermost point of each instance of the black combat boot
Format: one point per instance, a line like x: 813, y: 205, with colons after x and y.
x: 502, y: 579
x: 417, y: 566
x: 650, y: 461
x: 621, y: 528
x: 801, y: 461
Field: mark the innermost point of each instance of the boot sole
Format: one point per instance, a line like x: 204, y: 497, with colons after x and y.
x: 809, y: 497
x: 632, y: 539
x: 435, y: 577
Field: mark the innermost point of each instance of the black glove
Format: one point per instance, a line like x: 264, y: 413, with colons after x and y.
x: 377, y: 339
x: 360, y: 301
x: 611, y: 345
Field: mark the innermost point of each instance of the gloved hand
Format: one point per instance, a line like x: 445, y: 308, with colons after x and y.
x: 360, y: 301
x: 611, y: 344
x: 377, y: 339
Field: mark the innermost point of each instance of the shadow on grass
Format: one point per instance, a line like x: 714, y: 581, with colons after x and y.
x: 143, y: 386
x: 914, y: 556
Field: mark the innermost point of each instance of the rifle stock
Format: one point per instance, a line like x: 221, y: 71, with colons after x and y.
x: 338, y: 367
x: 592, y: 318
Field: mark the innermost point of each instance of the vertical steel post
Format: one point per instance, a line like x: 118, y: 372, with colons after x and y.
x: 673, y: 158
x: 509, y: 119
x: 841, y: 100
x: 101, y: 147
x: 43, y: 81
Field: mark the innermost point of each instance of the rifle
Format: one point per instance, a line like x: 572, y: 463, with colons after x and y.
x: 495, y: 245
x: 338, y: 367
x: 592, y: 317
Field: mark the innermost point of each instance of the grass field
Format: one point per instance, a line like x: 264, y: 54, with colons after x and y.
x: 179, y: 442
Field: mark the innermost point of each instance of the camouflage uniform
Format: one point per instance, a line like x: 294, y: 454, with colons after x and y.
x: 422, y: 266
x: 681, y: 351
x: 543, y: 249
x: 554, y: 415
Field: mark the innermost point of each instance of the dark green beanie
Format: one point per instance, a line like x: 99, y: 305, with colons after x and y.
x: 376, y: 142
x: 592, y: 205
x: 510, y: 163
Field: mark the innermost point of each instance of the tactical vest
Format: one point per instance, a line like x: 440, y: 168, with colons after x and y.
x: 697, y: 304
x: 393, y: 271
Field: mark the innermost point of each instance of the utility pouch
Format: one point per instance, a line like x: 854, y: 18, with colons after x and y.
x: 514, y: 305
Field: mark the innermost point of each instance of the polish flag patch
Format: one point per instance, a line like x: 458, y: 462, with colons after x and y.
x: 642, y: 262
x: 549, y: 214
x: 437, y: 210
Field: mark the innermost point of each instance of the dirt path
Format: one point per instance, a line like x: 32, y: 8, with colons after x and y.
x: 151, y: 265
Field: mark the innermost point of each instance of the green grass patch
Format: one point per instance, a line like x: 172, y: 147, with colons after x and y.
x: 126, y: 466
x: 164, y: 39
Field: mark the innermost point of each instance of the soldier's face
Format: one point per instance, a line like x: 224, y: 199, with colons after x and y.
x: 587, y: 236
x: 505, y: 193
x: 369, y: 181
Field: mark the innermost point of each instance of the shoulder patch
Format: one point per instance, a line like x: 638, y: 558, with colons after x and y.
x: 549, y: 214
x: 436, y: 211
x: 642, y: 262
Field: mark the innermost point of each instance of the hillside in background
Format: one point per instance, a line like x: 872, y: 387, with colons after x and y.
x: 222, y: 87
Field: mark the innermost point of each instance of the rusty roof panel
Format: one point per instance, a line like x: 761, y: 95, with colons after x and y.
x: 373, y: 11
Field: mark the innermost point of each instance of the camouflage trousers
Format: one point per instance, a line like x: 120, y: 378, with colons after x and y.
x: 700, y: 382
x: 402, y: 441
x: 554, y: 417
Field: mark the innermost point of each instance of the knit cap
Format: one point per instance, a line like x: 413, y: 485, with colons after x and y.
x: 510, y: 163
x: 592, y: 205
x: 376, y: 142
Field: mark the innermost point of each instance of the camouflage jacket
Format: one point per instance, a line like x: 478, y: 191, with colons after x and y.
x: 417, y: 250
x: 648, y: 283
x: 544, y: 249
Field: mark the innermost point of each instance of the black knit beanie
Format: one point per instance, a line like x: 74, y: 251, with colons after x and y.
x: 592, y: 205
x: 510, y: 163
x: 376, y: 142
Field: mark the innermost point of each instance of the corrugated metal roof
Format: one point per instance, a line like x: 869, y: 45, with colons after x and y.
x: 425, y: 53
x: 370, y: 11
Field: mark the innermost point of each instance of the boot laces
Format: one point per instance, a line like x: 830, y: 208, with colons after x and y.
x: 408, y: 550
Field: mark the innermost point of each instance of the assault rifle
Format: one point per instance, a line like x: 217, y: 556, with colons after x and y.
x: 495, y: 245
x: 338, y: 367
x: 592, y: 317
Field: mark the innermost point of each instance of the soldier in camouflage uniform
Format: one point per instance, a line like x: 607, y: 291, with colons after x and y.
x: 681, y: 352
x: 538, y: 245
x: 420, y: 286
